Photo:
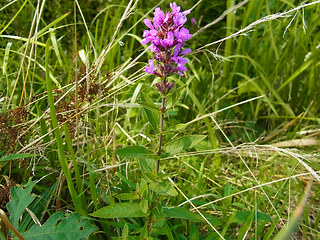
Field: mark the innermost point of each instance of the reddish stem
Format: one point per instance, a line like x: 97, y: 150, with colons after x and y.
x: 162, y: 110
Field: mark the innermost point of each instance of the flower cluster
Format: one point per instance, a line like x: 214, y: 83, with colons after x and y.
x: 167, y: 37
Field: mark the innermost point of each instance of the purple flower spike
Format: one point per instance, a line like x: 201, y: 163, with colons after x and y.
x: 166, y: 37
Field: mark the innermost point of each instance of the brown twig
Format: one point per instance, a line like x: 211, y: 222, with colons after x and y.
x: 282, y: 130
x: 4, y: 219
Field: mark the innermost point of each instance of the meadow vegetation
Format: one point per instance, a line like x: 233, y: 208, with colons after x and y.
x: 79, y: 122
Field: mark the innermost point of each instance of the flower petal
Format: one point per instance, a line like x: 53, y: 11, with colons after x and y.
x: 175, y: 9
x: 150, y: 68
x: 148, y: 23
x: 186, y: 51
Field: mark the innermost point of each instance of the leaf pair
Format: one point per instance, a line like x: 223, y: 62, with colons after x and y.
x: 173, y: 147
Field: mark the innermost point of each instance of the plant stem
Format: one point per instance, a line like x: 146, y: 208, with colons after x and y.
x: 4, y: 219
x: 162, y: 110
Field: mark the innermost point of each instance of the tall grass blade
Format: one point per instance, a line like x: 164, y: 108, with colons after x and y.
x: 15, y: 16
x: 57, y: 133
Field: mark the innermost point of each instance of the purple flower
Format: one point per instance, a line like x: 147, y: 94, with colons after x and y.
x: 167, y: 42
x: 186, y: 12
x: 148, y: 23
x: 175, y: 9
x: 153, y: 48
x: 177, y: 49
x: 186, y: 51
x: 150, y: 35
x: 193, y: 21
x: 150, y: 69
x: 182, y: 35
x: 166, y: 37
x: 180, y: 61
x: 158, y: 17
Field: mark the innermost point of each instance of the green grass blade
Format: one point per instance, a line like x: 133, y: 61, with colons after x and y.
x: 57, y: 133
x: 55, y: 46
x: 15, y: 16
x: 214, y: 142
x: 73, y: 158
x: 92, y: 185
x: 17, y: 156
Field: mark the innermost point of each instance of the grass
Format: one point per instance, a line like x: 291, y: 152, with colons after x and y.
x: 240, y: 132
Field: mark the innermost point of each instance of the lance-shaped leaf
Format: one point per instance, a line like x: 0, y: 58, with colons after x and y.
x: 120, y: 210
x: 163, y: 188
x: 179, y: 212
x: 183, y: 143
x: 151, y: 111
x: 138, y: 152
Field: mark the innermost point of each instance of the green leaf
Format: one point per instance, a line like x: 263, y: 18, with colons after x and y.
x: 263, y: 217
x: 163, y: 188
x: 151, y: 106
x: 142, y: 187
x: 125, y: 232
x: 138, y: 152
x: 238, y: 205
x: 125, y: 180
x: 61, y: 226
x: 227, y: 191
x: 179, y: 212
x: 241, y: 217
x: 194, y: 232
x: 127, y: 196
x: 17, y: 156
x: 167, y: 230
x: 150, y: 175
x: 148, y: 166
x: 144, y: 231
x: 243, y: 231
x: 183, y: 143
x: 144, y: 206
x: 20, y: 200
x: 180, y: 126
x: 151, y: 111
x: 120, y: 210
